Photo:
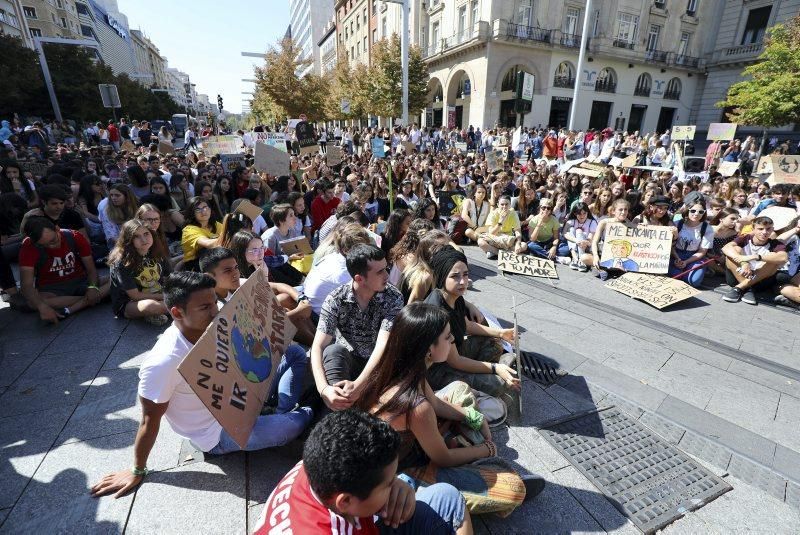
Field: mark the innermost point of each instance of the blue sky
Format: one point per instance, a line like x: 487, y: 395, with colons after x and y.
x: 205, y: 39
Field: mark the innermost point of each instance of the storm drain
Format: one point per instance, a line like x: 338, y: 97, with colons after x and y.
x: 649, y: 480
x: 539, y: 370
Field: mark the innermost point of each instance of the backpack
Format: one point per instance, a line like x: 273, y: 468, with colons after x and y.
x: 42, y: 260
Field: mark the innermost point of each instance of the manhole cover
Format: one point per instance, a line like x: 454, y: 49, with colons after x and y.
x: 649, y: 480
x: 539, y: 370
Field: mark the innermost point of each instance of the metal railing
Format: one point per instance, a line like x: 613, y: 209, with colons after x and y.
x: 622, y: 43
x: 743, y: 50
x: 656, y: 56
x: 564, y: 81
x: 642, y: 91
x: 529, y: 33
x: 672, y: 94
x: 461, y: 37
x: 570, y: 40
x: 606, y: 86
x: 686, y: 61
x: 477, y: 31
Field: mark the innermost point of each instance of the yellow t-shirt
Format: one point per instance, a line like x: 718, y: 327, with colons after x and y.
x: 190, y: 235
x: 510, y: 224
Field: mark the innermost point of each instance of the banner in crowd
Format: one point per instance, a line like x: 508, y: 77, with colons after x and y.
x: 525, y: 264
x: 654, y: 290
x: 378, y: 148
x: 785, y: 169
x: 450, y: 203
x: 727, y: 169
x: 461, y: 147
x: 721, y: 131
x: 306, y: 137
x: 496, y: 158
x: 683, y: 133
x: 165, y: 147
x: 230, y: 162
x: 408, y: 147
x: 334, y: 155
x: 214, y: 145
x: 641, y: 248
x: 232, y: 366
x: 628, y: 161
x: 782, y: 216
x: 764, y: 166
x: 128, y: 146
x: 271, y: 156
x: 451, y: 117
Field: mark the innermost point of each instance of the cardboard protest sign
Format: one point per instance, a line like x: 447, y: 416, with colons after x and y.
x: 249, y: 209
x: 683, y: 133
x: 628, y: 161
x: 615, y: 161
x: 214, y: 145
x: 165, y: 147
x: 642, y: 248
x: 659, y: 292
x: 408, y: 147
x: 526, y: 265
x: 727, y: 169
x: 721, y: 131
x: 461, y: 147
x: 128, y: 146
x: 334, y: 155
x: 296, y: 245
x: 271, y: 158
x: 785, y: 169
x: 764, y: 166
x: 495, y: 159
x: 781, y: 216
x: 230, y: 162
x: 378, y: 148
x: 34, y: 167
x: 306, y: 137
x: 450, y: 203
x: 232, y: 366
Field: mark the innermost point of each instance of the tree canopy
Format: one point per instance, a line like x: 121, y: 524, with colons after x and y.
x: 770, y: 96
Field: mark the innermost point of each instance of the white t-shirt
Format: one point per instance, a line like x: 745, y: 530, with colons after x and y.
x: 324, y: 278
x: 160, y: 382
x: 689, y: 238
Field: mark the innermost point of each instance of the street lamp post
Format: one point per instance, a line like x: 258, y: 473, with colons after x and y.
x: 581, y: 57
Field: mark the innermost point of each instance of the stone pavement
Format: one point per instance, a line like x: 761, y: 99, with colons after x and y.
x: 719, y: 380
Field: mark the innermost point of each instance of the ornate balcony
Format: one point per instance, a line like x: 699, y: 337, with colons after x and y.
x: 564, y: 81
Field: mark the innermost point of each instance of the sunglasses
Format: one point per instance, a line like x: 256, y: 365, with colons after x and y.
x: 697, y: 212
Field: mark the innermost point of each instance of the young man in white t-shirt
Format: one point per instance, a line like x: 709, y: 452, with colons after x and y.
x: 163, y: 392
x: 752, y: 262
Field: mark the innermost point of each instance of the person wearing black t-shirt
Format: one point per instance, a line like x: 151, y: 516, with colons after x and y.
x: 145, y: 134
x: 54, y: 198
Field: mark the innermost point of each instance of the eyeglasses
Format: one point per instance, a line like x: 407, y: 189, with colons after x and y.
x: 697, y: 212
x: 202, y: 209
x: 546, y: 208
x: 152, y: 220
x: 255, y: 251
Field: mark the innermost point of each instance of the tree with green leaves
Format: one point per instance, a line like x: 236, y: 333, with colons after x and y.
x: 278, y: 80
x: 386, y: 75
x: 770, y: 96
x: 21, y: 86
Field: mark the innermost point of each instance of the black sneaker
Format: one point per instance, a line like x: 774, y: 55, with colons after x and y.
x: 734, y: 295
x: 785, y: 301
x: 534, y: 485
x: 749, y: 297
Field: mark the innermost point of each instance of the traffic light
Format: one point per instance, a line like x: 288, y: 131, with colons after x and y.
x: 219, y: 102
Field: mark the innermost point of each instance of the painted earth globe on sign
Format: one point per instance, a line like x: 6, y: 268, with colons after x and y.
x: 253, y: 356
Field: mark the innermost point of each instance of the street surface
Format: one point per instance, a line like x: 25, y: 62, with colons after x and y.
x: 720, y: 380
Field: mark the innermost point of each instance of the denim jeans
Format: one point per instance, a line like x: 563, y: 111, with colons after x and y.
x: 440, y: 510
x: 542, y: 249
x: 693, y: 278
x: 286, y: 424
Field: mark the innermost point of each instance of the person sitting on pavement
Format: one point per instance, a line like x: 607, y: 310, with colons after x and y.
x: 138, y: 270
x: 477, y: 359
x: 778, y: 196
x: 752, y: 261
x: 619, y: 214
x: 53, y: 199
x: 400, y: 395
x: 578, y: 232
x: 788, y: 276
x: 202, y: 231
x: 504, y: 229
x: 543, y: 229
x: 695, y: 239
x: 119, y: 206
x: 346, y: 483
x: 353, y: 327
x: 221, y: 264
x: 57, y: 271
x: 163, y: 392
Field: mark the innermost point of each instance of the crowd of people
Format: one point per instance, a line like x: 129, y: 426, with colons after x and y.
x: 392, y: 368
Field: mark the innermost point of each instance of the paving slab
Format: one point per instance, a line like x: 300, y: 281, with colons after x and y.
x: 57, y: 499
x: 266, y: 467
x: 647, y: 397
x: 197, y: 498
x: 132, y: 347
x: 765, y: 377
x: 24, y: 443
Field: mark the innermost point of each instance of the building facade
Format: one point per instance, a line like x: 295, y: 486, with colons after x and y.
x: 327, y: 47
x: 13, y: 21
x: 150, y: 64
x: 175, y: 86
x: 308, y: 26
x: 52, y: 18
x: 739, y: 40
x: 356, y: 28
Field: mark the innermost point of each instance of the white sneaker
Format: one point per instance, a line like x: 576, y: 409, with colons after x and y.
x: 564, y: 260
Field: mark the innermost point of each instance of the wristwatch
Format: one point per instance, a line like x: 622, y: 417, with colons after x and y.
x: 758, y: 256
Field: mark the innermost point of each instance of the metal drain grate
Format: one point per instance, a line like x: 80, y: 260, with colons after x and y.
x: 538, y: 370
x: 649, y: 480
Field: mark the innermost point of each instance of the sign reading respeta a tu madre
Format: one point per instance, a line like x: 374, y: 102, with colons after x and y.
x: 526, y: 265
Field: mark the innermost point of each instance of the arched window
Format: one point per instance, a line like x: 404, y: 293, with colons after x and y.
x: 606, y: 81
x: 438, y: 95
x: 463, y: 85
x: 673, y: 91
x: 565, y: 75
x: 643, y: 85
x: 510, y: 79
